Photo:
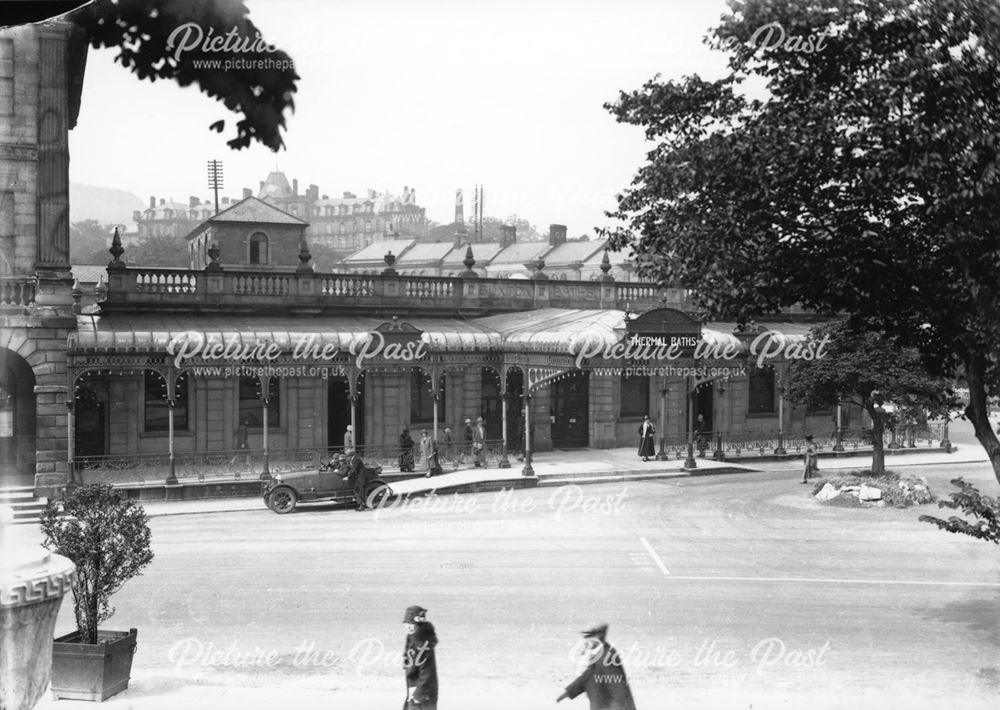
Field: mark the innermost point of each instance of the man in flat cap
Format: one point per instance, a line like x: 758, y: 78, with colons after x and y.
x: 603, y: 675
x: 419, y: 665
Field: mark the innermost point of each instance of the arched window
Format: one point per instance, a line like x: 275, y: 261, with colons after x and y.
x: 258, y: 248
x: 156, y: 405
x: 761, y: 390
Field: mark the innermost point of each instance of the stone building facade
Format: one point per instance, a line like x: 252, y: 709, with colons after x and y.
x: 41, y: 74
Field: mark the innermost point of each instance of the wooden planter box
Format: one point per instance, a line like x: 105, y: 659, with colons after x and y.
x: 84, y: 671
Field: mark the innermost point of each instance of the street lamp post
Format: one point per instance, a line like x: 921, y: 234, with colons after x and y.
x: 528, y: 470
x: 662, y: 455
x: 839, y: 446
x: 504, y: 461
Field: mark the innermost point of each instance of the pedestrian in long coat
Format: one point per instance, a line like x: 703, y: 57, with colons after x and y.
x: 349, y: 440
x: 603, y: 677
x: 357, y: 476
x: 405, y: 450
x: 448, y: 447
x: 419, y: 663
x: 479, y: 443
x: 426, y: 449
x: 809, y: 469
x: 647, y: 446
x: 467, y: 437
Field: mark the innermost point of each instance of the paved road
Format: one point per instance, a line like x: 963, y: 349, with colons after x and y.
x: 730, y: 591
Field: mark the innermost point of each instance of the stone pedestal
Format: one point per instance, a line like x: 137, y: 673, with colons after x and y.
x: 32, y: 584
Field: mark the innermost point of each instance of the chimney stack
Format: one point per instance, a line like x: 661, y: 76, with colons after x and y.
x: 136, y: 215
x: 193, y: 201
x: 225, y: 200
x: 247, y: 192
x: 152, y: 202
x: 313, y: 192
x: 162, y: 201
x: 295, y: 187
x: 557, y: 234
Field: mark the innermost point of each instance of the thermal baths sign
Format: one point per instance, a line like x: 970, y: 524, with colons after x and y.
x: 372, y: 345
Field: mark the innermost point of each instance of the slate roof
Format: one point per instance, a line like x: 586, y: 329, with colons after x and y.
x: 253, y: 209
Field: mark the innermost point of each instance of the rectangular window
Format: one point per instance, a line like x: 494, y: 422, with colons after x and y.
x: 634, y: 396
x: 421, y: 399
x: 6, y: 76
x: 251, y: 408
x: 761, y: 395
x: 156, y: 406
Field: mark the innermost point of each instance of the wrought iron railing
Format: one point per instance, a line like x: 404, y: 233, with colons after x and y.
x: 249, y: 464
x: 771, y: 442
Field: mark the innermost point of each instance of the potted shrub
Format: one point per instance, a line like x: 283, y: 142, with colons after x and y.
x: 107, y: 536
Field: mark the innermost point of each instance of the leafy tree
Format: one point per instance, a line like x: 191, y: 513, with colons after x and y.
x: 88, y: 241
x: 984, y: 509
x: 866, y: 182
x: 868, y: 369
x: 107, y: 537
x: 260, y: 86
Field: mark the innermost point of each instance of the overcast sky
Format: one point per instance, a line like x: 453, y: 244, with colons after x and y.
x: 434, y: 95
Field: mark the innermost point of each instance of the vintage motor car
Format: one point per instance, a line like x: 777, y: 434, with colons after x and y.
x: 326, y: 483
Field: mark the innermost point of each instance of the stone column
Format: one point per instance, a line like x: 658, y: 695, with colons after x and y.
x: 52, y: 201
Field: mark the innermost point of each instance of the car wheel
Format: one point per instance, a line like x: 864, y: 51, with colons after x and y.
x: 282, y: 500
x: 376, y: 494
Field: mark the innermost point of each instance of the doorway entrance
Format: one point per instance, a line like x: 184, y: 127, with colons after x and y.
x: 338, y: 413
x: 90, y: 418
x: 703, y: 405
x: 570, y: 405
x: 17, y: 421
x: 491, y: 406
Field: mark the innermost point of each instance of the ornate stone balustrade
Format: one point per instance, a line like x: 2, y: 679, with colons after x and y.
x: 288, y: 292
x: 17, y: 291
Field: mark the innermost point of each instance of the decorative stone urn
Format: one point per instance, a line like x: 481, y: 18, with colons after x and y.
x: 32, y: 584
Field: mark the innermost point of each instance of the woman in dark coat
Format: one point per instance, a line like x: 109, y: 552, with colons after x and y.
x: 647, y: 447
x: 419, y: 664
x: 405, y: 450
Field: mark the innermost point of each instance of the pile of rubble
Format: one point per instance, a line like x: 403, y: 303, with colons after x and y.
x: 864, y: 490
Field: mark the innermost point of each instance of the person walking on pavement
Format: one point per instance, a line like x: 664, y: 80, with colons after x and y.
x: 426, y: 450
x: 448, y: 448
x: 479, y: 443
x: 357, y: 476
x: 809, y: 469
x: 405, y: 450
x: 647, y: 447
x: 349, y: 441
x: 242, y: 437
x: 419, y: 663
x: 702, y: 431
x: 602, y: 675
x: 467, y: 437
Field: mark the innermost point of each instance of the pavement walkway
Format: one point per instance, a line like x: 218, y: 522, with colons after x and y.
x: 580, y: 467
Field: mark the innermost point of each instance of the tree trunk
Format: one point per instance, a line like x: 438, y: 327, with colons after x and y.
x: 978, y: 411
x: 878, y: 445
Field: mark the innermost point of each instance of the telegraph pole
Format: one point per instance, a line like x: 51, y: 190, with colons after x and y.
x: 215, y: 180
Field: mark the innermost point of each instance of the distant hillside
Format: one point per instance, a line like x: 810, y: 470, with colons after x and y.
x: 105, y: 204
